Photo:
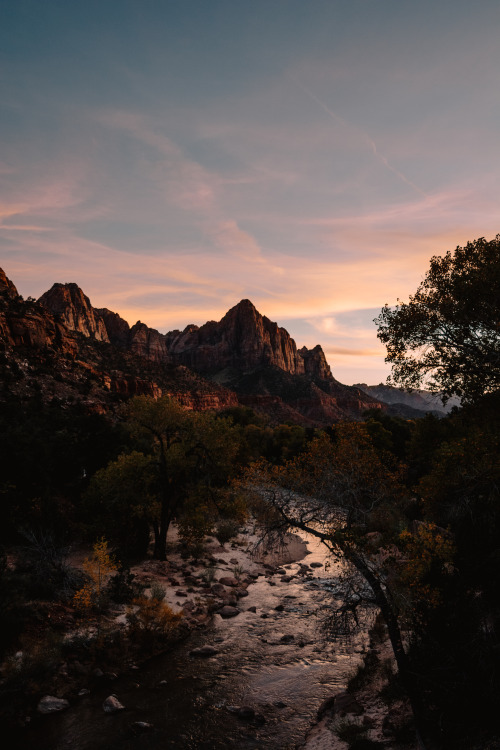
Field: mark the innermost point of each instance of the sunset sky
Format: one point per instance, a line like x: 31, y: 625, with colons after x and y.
x: 175, y: 156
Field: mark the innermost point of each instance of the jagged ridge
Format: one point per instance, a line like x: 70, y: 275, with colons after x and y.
x: 244, y: 351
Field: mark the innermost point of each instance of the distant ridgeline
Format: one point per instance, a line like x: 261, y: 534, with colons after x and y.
x: 405, y: 402
x: 61, y: 347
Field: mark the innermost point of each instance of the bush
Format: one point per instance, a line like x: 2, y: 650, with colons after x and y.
x: 121, y: 587
x: 152, y: 621
x: 157, y: 592
x: 225, y: 531
x: 30, y: 669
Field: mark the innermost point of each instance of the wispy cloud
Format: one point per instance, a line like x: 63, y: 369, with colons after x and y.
x: 363, y: 136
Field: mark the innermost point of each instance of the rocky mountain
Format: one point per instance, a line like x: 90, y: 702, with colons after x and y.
x: 418, y: 400
x: 241, y: 342
x: 73, y: 308
x: 243, y: 358
x: 7, y: 288
x: 65, y: 354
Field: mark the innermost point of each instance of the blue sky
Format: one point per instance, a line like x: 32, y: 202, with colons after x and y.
x: 173, y: 158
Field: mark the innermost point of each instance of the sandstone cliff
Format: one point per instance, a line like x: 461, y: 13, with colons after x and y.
x: 255, y: 359
x: 59, y: 348
x: 140, y: 339
x: 7, y: 288
x: 73, y: 307
x: 241, y: 342
x: 27, y: 324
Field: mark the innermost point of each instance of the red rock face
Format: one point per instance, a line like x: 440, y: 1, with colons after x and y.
x: 118, y: 330
x: 148, y: 343
x: 257, y: 357
x: 243, y: 341
x: 315, y: 364
x: 33, y: 328
x: 206, y: 401
x: 7, y: 288
x: 74, y: 309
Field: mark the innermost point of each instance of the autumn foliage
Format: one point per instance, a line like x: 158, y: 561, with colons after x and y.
x: 98, y: 568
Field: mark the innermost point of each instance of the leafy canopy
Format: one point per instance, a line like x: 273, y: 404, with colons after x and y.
x: 447, y: 336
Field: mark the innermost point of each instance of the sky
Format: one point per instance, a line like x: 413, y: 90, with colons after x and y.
x: 173, y: 157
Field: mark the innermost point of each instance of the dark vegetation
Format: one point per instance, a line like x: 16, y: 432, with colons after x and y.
x: 412, y: 505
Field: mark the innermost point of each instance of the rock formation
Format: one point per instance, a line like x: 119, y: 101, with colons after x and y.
x: 257, y: 360
x: 62, y: 345
x: 243, y: 340
x: 7, y: 288
x: 74, y: 309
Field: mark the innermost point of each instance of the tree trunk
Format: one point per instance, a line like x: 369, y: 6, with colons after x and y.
x: 156, y: 531
x: 161, y: 545
x: 395, y: 637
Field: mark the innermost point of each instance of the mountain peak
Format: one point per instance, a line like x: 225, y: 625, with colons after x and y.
x: 246, y: 303
x: 74, y: 308
x: 6, y: 285
x: 244, y: 306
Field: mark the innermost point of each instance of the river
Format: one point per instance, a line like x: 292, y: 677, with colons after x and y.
x: 272, y: 660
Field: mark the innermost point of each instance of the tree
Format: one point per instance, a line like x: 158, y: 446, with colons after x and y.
x: 98, y: 569
x: 183, y: 467
x: 122, y: 502
x: 341, y: 492
x: 447, y: 336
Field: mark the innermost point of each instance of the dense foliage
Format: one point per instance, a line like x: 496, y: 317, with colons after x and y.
x: 448, y: 334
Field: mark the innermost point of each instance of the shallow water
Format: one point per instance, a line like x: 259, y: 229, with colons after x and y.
x: 193, y: 707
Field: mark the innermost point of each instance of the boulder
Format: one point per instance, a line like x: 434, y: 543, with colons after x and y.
x: 50, y: 704
x: 219, y: 590
x: 228, y: 611
x: 228, y: 581
x: 111, y: 705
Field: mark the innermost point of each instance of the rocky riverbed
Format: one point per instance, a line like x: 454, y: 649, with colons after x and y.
x: 252, y: 674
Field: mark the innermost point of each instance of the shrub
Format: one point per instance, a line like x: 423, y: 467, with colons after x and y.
x: 152, y: 621
x: 30, y: 668
x: 208, y: 574
x: 157, y: 592
x: 121, y: 587
x: 98, y: 568
x: 226, y: 530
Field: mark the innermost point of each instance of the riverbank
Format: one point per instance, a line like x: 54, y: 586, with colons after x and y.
x: 198, y: 587
x: 66, y: 657
x: 373, y: 713
x: 249, y: 677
